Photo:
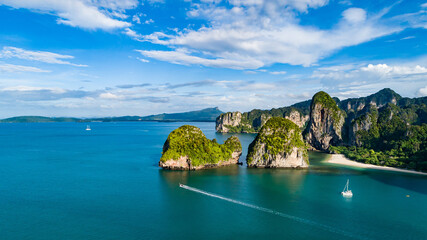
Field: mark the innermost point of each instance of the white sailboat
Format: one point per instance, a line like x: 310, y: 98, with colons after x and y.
x: 88, y: 128
x: 347, y: 192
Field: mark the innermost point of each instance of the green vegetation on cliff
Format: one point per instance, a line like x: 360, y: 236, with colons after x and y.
x: 328, y: 102
x: 190, y: 141
x: 279, y: 135
x: 240, y: 129
x: 397, y: 138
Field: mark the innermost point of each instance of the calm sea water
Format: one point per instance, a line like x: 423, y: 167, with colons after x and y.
x: 58, y: 181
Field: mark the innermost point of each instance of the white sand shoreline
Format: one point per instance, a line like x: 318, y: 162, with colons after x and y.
x: 342, y: 160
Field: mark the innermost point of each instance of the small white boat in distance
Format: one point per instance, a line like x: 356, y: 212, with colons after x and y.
x: 181, y: 185
x: 88, y: 128
x: 347, y: 192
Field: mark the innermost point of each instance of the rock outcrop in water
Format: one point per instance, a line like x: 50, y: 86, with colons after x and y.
x: 326, y: 122
x: 187, y: 148
x: 279, y: 144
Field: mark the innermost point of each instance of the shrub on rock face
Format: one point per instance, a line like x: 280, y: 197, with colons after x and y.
x: 187, y: 148
x: 278, y: 144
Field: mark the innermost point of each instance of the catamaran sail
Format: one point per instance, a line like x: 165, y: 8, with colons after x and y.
x: 347, y: 192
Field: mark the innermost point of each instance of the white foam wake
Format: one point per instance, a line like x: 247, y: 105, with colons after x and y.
x: 284, y: 215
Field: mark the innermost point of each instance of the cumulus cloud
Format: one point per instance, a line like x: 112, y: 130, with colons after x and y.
x: 20, y: 68
x: 253, y: 34
x: 87, y: 14
x: 41, y: 56
x: 384, y: 69
x: 354, y: 15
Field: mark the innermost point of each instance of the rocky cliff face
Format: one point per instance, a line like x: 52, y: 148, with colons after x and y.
x: 297, y: 118
x: 378, y: 99
x: 253, y: 121
x: 279, y: 144
x: 363, y: 124
x: 187, y: 148
x: 326, y: 122
x: 227, y: 121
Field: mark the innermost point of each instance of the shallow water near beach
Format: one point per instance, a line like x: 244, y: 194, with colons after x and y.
x: 58, y: 181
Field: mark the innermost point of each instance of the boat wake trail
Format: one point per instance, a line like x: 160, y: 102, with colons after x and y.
x: 284, y: 215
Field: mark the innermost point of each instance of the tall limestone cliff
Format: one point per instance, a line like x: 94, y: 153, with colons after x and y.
x: 187, y: 148
x: 326, y: 122
x: 279, y: 144
x: 227, y: 122
x: 251, y: 122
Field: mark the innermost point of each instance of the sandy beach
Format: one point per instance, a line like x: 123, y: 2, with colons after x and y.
x: 342, y: 160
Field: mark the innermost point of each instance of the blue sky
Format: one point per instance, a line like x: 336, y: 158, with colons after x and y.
x: 88, y: 58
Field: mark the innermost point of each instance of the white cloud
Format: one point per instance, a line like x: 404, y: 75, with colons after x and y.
x: 424, y: 5
x: 46, y: 57
x: 272, y: 5
x: 182, y: 58
x: 108, y: 95
x: 149, y: 21
x: 423, y: 91
x: 20, y: 68
x: 384, y: 69
x: 252, y: 36
x: 354, y: 15
x: 136, y: 19
x: 278, y: 72
x: 142, y: 60
x: 87, y: 14
x: 131, y: 33
x: 408, y: 37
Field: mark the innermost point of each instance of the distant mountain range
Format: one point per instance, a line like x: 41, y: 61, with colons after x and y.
x: 204, y: 115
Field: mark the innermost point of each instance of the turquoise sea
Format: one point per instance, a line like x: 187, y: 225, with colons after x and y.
x: 58, y: 181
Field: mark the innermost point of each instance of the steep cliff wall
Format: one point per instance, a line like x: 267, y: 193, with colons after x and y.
x: 326, y: 122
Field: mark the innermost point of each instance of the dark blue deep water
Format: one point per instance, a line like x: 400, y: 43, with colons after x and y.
x: 58, y: 181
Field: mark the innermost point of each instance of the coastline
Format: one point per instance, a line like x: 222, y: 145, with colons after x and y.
x: 342, y: 160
